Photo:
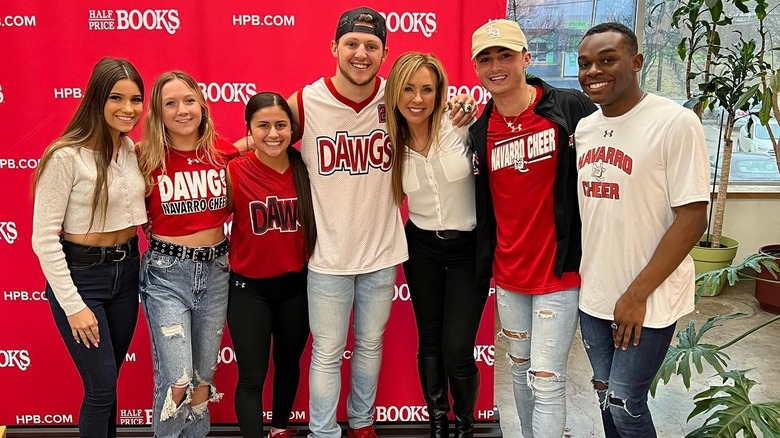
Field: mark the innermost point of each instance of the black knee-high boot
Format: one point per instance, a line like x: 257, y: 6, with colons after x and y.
x: 464, y: 399
x: 434, y: 386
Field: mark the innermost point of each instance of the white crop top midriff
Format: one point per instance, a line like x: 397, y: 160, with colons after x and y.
x: 63, y: 202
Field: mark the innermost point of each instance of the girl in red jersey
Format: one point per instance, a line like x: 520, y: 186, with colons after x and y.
x: 184, y: 275
x: 273, y: 235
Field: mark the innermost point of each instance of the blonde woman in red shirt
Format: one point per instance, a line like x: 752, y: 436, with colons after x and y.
x: 184, y: 275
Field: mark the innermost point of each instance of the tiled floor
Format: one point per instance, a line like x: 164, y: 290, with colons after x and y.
x: 673, y: 403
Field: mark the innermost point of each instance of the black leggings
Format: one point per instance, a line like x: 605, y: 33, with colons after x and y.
x: 447, y: 303
x: 257, y: 310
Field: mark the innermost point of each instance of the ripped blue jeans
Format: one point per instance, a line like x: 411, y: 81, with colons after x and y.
x: 540, y: 330
x: 185, y: 303
x: 624, y: 375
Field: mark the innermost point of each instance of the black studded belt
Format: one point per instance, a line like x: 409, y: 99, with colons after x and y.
x: 197, y: 254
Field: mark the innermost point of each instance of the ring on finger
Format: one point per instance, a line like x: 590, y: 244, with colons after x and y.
x: 614, y: 325
x: 467, y: 107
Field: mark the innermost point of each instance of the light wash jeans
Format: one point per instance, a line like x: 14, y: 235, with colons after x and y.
x: 331, y: 300
x: 540, y: 330
x: 185, y: 303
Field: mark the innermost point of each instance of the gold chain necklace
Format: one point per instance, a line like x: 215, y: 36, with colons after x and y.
x: 427, y: 145
x: 511, y: 125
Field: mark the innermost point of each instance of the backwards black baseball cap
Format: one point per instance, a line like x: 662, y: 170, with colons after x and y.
x: 349, y: 22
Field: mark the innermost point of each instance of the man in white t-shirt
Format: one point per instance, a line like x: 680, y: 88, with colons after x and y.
x: 642, y: 173
x: 360, y: 236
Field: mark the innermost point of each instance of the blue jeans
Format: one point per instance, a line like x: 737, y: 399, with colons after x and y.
x: 110, y: 290
x: 540, y: 329
x: 626, y: 375
x: 331, y: 300
x: 185, y: 303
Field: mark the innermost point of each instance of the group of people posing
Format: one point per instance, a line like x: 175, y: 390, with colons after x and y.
x: 572, y: 224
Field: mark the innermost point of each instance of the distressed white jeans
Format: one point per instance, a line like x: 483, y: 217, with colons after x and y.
x: 540, y: 329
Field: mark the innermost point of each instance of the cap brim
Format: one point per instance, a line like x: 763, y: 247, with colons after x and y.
x: 517, y: 47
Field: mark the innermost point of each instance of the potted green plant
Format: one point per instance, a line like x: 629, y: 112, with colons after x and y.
x: 728, y: 405
x: 721, y: 84
x: 761, y: 267
x: 733, y: 86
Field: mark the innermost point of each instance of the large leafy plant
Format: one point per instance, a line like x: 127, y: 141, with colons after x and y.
x: 770, y: 77
x: 729, y: 406
x: 699, y: 20
x: 732, y: 411
x: 733, y: 89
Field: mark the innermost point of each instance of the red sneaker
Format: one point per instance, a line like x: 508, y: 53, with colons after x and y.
x: 283, y: 434
x: 362, y: 432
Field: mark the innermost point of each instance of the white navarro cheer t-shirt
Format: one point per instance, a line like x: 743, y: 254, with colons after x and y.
x: 632, y: 170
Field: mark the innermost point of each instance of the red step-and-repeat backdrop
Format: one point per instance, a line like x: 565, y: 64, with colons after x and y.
x: 234, y: 49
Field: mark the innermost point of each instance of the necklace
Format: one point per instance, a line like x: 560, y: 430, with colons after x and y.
x: 518, y: 127
x: 187, y: 154
x: 423, y: 150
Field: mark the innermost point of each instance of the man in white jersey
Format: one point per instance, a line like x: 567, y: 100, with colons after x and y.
x: 642, y: 173
x: 360, y: 236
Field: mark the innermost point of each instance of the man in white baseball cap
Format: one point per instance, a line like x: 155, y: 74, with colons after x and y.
x: 528, y: 224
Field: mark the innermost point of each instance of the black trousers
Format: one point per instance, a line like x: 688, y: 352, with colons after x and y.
x: 260, y: 310
x: 447, y: 303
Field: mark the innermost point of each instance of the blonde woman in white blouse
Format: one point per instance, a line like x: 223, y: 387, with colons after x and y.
x: 432, y: 169
x: 89, y: 201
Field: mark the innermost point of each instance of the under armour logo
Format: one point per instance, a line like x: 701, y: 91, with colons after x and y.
x: 192, y: 161
x: 513, y: 127
x: 240, y: 284
x: 493, y: 32
x: 608, y: 133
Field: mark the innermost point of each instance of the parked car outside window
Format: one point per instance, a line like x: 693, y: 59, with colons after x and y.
x: 750, y: 167
x: 754, y: 137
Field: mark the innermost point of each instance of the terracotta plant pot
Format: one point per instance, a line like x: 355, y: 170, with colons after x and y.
x: 768, y: 292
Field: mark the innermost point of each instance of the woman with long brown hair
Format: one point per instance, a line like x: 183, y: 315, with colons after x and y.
x: 88, y: 205
x: 184, y: 275
x: 273, y: 236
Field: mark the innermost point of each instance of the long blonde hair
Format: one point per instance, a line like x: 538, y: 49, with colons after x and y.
x: 155, y: 143
x: 88, y: 126
x: 397, y: 127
